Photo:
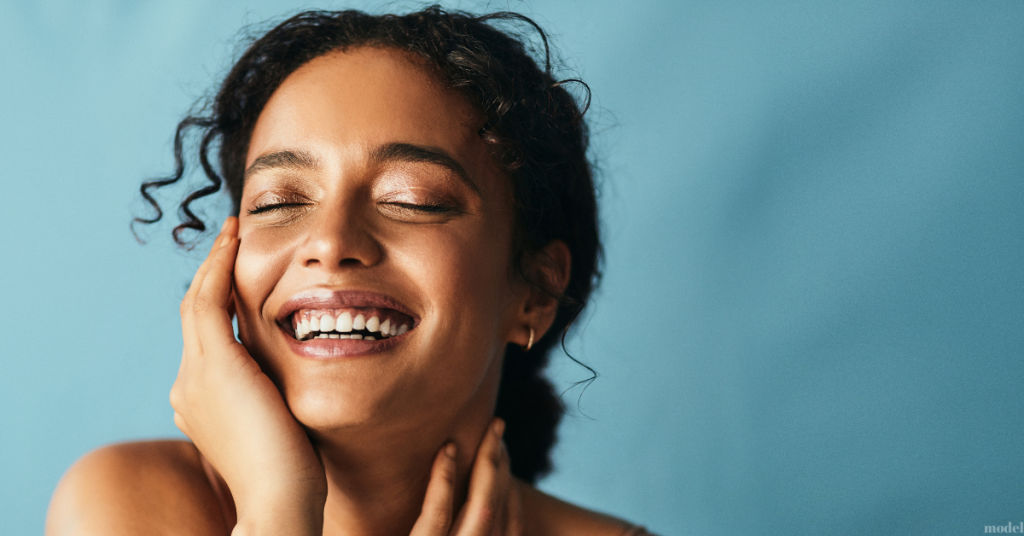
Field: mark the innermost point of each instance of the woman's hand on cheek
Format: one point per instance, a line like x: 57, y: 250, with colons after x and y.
x: 236, y: 416
x: 493, y: 505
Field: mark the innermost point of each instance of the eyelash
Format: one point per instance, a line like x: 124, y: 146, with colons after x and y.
x: 432, y: 208
x: 260, y: 209
x: 437, y: 208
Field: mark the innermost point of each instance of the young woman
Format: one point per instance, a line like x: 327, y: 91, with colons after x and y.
x: 416, y: 228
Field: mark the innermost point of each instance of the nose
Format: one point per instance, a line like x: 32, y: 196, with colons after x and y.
x: 339, y: 237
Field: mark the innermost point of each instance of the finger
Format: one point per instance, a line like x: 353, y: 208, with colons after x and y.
x: 190, y: 336
x: 436, y: 514
x: 228, y: 229
x: 191, y: 341
x: 488, y: 486
x: 513, y: 508
x: 210, y: 309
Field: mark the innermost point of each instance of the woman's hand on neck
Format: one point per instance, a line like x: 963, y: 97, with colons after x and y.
x: 485, y: 500
x: 378, y: 475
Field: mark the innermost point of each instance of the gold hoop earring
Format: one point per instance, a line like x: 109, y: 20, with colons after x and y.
x: 529, y: 344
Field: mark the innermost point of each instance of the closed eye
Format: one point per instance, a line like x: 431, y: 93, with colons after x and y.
x: 259, y: 209
x: 438, y: 208
x: 268, y: 207
x: 419, y: 213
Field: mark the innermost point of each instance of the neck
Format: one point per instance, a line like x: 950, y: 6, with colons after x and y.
x: 377, y: 478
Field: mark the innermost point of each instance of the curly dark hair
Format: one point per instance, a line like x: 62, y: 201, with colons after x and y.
x: 533, y: 124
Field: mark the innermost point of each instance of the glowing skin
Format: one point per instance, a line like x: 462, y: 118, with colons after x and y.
x: 368, y: 190
x: 352, y: 226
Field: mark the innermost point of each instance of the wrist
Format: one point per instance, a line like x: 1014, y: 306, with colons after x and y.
x: 297, y: 514
x: 281, y: 520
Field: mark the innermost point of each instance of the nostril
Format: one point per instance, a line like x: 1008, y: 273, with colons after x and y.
x: 350, y: 261
x: 330, y: 245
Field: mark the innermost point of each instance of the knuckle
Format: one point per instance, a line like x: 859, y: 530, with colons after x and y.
x: 496, y: 457
x: 243, y: 365
x: 488, y: 514
x: 450, y: 479
x: 448, y: 475
x: 440, y: 518
x: 200, y: 306
x: 176, y: 398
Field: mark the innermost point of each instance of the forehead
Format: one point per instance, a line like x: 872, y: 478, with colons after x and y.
x: 365, y: 97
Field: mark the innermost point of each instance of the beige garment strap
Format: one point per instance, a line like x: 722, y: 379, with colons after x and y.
x: 224, y: 500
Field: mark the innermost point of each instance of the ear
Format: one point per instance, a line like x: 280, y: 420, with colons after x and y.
x: 547, y: 274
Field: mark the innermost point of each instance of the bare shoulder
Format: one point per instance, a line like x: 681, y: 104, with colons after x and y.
x: 550, y: 516
x: 151, y: 487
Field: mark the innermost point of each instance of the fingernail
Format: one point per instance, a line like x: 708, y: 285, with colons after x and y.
x: 449, y: 450
x: 498, y: 428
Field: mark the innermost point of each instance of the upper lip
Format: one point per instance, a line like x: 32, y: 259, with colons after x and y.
x: 340, y: 299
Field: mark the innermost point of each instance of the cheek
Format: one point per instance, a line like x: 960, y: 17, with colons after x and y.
x: 471, y: 278
x: 456, y: 266
x: 258, y: 267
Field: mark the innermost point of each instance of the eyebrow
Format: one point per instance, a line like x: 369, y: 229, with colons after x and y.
x: 391, y: 152
x: 407, y: 152
x: 283, y: 159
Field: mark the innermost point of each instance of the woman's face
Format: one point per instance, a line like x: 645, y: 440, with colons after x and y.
x: 372, y: 208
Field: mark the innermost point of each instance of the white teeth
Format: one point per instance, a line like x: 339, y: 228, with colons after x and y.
x: 344, y: 322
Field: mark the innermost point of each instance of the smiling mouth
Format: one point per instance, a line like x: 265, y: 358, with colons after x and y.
x: 368, y: 324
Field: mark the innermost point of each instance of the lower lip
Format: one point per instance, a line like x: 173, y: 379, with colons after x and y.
x: 341, y: 348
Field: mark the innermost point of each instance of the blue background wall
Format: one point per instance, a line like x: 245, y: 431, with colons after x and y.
x: 812, y: 319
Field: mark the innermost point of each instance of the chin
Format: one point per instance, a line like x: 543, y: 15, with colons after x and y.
x: 330, y: 405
